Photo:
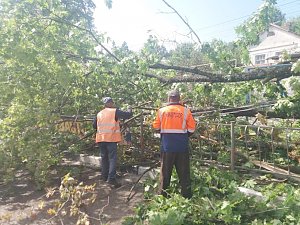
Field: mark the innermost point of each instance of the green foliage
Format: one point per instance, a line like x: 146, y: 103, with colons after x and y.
x: 216, y: 200
x: 227, y: 57
x: 170, y: 217
x: 41, y: 78
x: 152, y: 51
x: 285, y: 106
x: 108, y: 3
x: 290, y: 106
x: 250, y: 30
x: 296, y: 67
x: 74, y: 194
x: 188, y: 55
x: 294, y: 25
x: 224, y: 57
x: 53, y: 63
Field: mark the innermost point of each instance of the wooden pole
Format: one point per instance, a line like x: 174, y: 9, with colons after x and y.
x: 232, y: 145
x: 142, y: 132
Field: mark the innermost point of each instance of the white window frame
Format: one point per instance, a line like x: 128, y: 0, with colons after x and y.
x: 260, y: 59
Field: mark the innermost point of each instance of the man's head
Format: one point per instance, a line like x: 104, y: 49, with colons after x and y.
x: 173, y: 96
x: 108, y: 102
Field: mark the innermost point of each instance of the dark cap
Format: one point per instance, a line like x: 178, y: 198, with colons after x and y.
x: 173, y: 93
x: 106, y: 100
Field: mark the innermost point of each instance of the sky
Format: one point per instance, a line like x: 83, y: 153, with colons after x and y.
x: 132, y: 21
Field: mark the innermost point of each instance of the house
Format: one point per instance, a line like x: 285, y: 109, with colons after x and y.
x: 272, y: 44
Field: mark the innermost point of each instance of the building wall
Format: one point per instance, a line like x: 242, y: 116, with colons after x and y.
x: 273, y: 43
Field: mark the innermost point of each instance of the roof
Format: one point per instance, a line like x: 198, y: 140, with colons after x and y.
x: 283, y: 29
x: 276, y: 37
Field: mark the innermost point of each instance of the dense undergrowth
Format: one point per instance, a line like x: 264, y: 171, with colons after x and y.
x: 217, y: 200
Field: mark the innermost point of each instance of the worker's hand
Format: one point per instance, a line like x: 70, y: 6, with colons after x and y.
x: 129, y: 108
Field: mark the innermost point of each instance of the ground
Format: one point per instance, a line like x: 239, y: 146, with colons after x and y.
x: 21, y: 202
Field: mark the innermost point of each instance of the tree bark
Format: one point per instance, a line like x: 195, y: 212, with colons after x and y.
x: 195, y: 75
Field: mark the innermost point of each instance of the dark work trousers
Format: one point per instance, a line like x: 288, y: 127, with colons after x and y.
x: 181, y: 161
x: 108, y: 153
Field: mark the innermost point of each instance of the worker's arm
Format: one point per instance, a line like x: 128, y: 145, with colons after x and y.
x: 190, y: 123
x: 123, y: 114
x: 95, y: 123
x: 156, y: 122
x: 127, y: 135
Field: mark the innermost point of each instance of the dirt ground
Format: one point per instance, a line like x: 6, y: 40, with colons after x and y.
x: 21, y: 203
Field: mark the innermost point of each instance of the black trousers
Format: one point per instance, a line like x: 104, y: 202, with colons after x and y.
x: 181, y: 161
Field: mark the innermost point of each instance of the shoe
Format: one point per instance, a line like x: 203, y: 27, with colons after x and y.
x: 104, y: 179
x: 114, y: 183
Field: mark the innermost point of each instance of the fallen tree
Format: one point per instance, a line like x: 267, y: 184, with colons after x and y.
x: 278, y: 72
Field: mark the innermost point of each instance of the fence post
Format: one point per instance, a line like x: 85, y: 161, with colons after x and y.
x: 232, y: 123
x: 287, y: 136
x: 142, y: 132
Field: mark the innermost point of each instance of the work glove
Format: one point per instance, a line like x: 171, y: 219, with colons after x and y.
x: 129, y: 109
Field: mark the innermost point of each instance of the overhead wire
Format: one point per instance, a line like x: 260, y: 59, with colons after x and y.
x: 289, y: 3
x: 211, y: 34
x: 239, y: 18
x: 295, y: 12
x: 283, y: 5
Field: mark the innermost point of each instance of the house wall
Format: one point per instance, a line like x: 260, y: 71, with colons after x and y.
x: 269, y: 46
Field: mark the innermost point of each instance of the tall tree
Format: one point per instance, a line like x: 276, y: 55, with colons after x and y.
x: 53, y: 63
x: 43, y: 51
x: 294, y: 25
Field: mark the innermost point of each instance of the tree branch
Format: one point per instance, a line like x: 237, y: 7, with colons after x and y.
x: 191, y: 29
x: 235, y: 109
x: 279, y: 72
x: 250, y: 110
x: 61, y: 20
x: 194, y: 70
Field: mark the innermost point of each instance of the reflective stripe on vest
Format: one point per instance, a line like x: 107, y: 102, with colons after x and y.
x: 108, y: 131
x: 175, y: 131
x: 191, y: 130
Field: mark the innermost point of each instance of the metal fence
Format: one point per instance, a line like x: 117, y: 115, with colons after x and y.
x: 239, y: 146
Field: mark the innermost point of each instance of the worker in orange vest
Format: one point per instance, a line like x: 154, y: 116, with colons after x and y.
x: 108, y: 135
x: 175, y: 124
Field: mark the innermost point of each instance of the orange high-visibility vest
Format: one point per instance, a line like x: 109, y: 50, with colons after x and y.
x: 108, y: 129
x: 174, y: 119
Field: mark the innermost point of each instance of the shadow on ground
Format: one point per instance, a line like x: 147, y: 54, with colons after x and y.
x: 21, y: 203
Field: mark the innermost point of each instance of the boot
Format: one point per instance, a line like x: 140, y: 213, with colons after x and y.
x: 114, y: 183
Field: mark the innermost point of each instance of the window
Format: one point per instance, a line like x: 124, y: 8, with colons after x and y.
x: 260, y: 59
x: 270, y: 33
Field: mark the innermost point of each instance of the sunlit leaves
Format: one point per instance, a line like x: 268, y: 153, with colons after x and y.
x: 108, y: 3
x: 294, y: 25
x: 216, y: 200
x: 296, y: 66
x: 267, y: 13
x: 41, y: 76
